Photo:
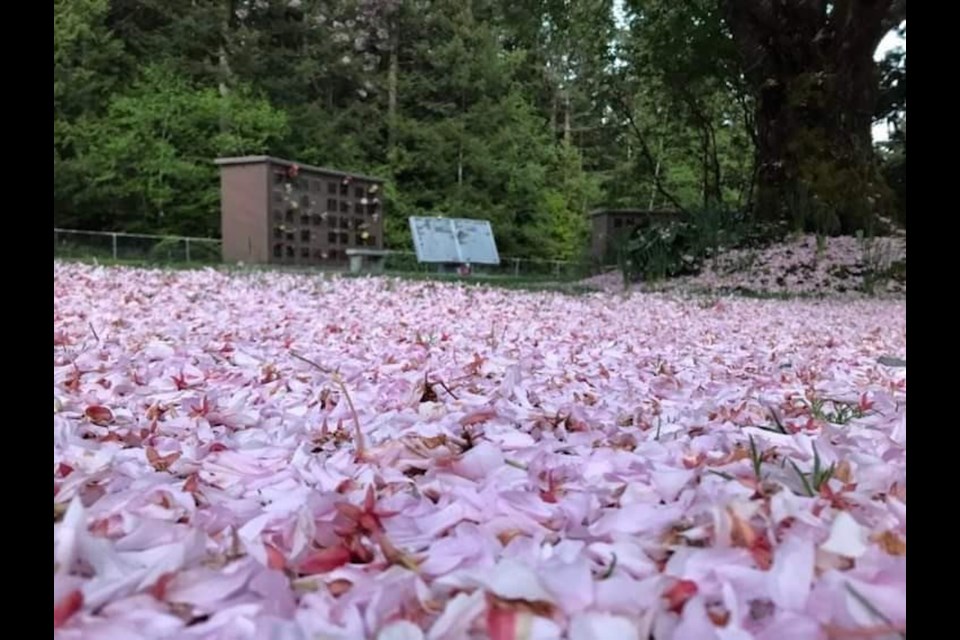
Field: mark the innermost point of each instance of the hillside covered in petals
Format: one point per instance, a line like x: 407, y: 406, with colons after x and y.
x: 844, y: 266
x: 296, y: 457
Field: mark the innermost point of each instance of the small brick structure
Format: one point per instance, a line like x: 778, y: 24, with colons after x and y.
x: 609, y: 226
x: 275, y: 211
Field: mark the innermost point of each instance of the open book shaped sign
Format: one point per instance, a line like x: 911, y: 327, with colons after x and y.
x: 454, y: 240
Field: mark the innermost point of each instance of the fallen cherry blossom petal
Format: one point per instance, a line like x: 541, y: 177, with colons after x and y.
x: 600, y: 626
x: 325, y: 560
x: 270, y: 454
x: 847, y: 537
x: 69, y: 605
x: 400, y: 630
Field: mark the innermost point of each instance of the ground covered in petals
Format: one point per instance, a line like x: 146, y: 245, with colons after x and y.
x: 287, y: 456
x: 800, y: 266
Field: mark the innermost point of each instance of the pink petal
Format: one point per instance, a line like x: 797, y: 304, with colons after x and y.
x: 602, y: 626
x: 791, y: 576
x: 400, y: 630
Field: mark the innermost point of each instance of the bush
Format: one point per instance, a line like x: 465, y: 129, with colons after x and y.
x: 895, y: 171
x: 661, y: 250
x: 167, y: 250
x: 666, y: 249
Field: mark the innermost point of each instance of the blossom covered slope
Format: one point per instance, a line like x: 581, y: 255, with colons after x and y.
x: 797, y: 266
x: 286, y: 456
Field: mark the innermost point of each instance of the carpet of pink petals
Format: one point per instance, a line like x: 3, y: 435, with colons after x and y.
x: 468, y: 463
x: 793, y: 267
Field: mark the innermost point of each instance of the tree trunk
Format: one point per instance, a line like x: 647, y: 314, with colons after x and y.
x: 810, y: 66
x: 553, y: 114
x: 656, y: 177
x: 393, y: 71
x: 223, y: 60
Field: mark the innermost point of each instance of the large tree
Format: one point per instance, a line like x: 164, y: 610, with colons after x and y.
x: 892, y: 110
x: 687, y: 107
x: 810, y: 65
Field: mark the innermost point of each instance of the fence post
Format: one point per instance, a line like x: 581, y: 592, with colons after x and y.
x: 516, y: 267
x: 187, y: 242
x: 556, y: 268
x: 113, y: 238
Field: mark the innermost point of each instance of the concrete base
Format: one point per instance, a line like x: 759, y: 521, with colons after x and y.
x: 370, y: 260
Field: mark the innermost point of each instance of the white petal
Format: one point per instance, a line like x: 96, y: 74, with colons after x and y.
x: 847, y: 537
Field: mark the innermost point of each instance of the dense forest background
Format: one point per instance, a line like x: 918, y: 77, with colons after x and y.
x: 525, y: 112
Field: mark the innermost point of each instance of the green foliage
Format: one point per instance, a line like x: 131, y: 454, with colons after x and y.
x: 829, y: 174
x: 679, y: 246
x: 817, y: 478
x: 684, y: 92
x: 894, y: 170
x: 527, y: 113
x: 87, y: 63
x: 309, y: 81
x: 469, y: 143
x: 168, y: 250
x: 835, y: 411
x: 894, y: 165
x: 661, y: 251
x: 83, y: 48
x: 149, y: 159
x: 892, y: 102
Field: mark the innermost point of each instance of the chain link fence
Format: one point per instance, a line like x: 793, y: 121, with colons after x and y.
x: 134, y: 247
x: 118, y: 247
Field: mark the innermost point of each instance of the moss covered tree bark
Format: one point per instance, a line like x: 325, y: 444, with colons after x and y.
x: 810, y: 65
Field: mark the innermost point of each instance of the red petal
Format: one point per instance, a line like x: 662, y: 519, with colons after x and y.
x: 325, y: 560
x: 66, y: 608
x: 275, y: 559
x: 99, y: 414
x: 350, y: 511
x: 477, y: 417
x: 501, y: 623
x: 370, y: 522
x: 762, y: 553
x: 161, y: 463
x: 679, y: 593
x: 346, y: 485
x: 159, y: 588
x: 192, y: 485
